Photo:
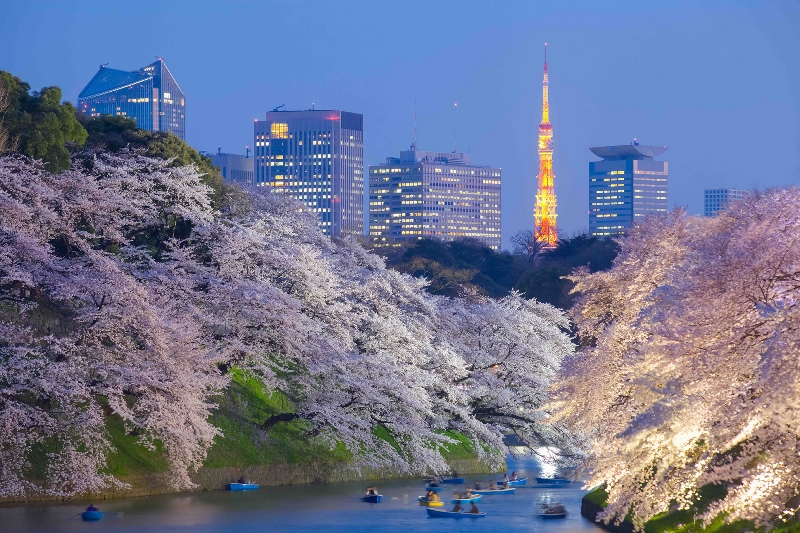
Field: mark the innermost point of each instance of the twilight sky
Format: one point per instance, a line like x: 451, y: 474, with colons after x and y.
x: 716, y: 82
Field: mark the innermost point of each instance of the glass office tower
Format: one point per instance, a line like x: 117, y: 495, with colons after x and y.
x: 316, y: 156
x: 716, y: 200
x: 150, y: 96
x: 438, y: 195
x: 625, y: 187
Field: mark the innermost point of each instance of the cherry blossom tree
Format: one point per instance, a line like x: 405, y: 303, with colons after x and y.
x: 125, y: 293
x: 689, y: 372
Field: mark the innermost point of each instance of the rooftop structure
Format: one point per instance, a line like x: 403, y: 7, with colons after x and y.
x: 235, y: 167
x: 625, y: 187
x: 150, y: 96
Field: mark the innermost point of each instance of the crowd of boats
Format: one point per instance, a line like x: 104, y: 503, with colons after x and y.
x: 470, y: 496
x: 465, y: 502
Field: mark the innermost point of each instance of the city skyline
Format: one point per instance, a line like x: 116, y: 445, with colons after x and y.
x: 662, y: 69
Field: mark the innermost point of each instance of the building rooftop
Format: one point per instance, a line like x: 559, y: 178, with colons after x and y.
x: 627, y: 151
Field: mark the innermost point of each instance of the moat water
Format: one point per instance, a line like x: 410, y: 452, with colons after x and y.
x: 333, y: 507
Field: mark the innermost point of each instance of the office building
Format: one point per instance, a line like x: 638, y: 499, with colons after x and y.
x: 234, y: 167
x: 150, y: 96
x: 717, y: 200
x: 316, y: 156
x: 625, y: 187
x: 438, y: 195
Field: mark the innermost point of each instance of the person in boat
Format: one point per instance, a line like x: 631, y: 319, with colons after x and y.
x: 492, y: 485
x: 457, y: 508
x: 372, y: 491
x: 91, y: 507
x: 513, y: 476
x: 473, y: 509
x: 505, y: 479
x: 478, y: 485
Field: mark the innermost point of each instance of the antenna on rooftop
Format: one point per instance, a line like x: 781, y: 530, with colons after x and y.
x: 247, y: 152
x: 219, y: 150
x: 455, y: 130
x: 415, y: 123
x: 279, y: 107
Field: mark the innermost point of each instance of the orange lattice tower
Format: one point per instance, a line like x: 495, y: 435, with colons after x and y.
x: 544, y: 214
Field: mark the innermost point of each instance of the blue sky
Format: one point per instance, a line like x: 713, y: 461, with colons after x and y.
x: 716, y: 82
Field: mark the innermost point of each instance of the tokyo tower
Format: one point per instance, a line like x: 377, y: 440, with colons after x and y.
x: 544, y: 214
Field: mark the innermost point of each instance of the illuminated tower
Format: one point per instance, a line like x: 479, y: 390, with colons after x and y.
x: 544, y: 214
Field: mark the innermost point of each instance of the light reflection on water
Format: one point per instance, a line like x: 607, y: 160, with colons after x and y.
x: 333, y: 507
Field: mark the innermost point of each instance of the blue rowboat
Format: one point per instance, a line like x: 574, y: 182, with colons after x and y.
x: 555, y: 510
x: 91, y: 516
x: 454, y: 480
x: 238, y: 487
x: 487, y: 492
x: 515, y: 483
x: 553, y: 480
x: 434, y: 488
x: 438, y: 513
x: 474, y: 499
x: 372, y: 498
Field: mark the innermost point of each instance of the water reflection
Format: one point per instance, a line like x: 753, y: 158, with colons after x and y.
x: 335, y: 507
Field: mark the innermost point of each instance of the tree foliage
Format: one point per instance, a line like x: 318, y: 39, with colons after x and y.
x: 690, y: 374
x: 39, y: 125
x: 112, y: 134
x: 126, y: 292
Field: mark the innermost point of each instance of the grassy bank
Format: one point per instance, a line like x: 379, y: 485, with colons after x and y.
x: 683, y: 521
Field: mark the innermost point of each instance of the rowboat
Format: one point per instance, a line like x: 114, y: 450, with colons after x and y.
x: 433, y: 486
x: 425, y: 503
x: 514, y: 482
x: 555, y: 510
x: 372, y: 498
x: 238, y: 487
x: 473, y: 499
x: 553, y: 480
x: 439, y: 513
x: 509, y: 490
x: 454, y: 480
x: 91, y: 516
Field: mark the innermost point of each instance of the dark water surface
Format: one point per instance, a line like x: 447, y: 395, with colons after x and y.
x: 332, y: 507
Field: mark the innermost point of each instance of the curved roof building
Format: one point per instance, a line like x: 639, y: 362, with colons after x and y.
x: 150, y: 96
x: 625, y: 187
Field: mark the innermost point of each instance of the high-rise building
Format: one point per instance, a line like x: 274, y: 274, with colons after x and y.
x: 234, y: 167
x: 150, y: 96
x: 438, y: 195
x: 625, y: 187
x: 544, y: 215
x: 718, y: 199
x: 316, y: 156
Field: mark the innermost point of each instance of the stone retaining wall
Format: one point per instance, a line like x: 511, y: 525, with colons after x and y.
x: 267, y: 475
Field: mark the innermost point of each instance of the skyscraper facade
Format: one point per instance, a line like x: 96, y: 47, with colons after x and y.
x: 150, y: 96
x: 439, y: 195
x: 625, y: 187
x: 316, y: 156
x: 544, y: 215
x: 718, y: 199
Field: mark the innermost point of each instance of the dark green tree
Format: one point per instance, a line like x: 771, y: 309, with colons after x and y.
x: 39, y: 124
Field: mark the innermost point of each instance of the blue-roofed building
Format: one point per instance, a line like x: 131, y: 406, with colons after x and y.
x: 626, y: 187
x: 150, y: 96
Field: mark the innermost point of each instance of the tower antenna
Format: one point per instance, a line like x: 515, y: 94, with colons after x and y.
x: 455, y: 129
x: 415, y: 124
x: 544, y: 214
